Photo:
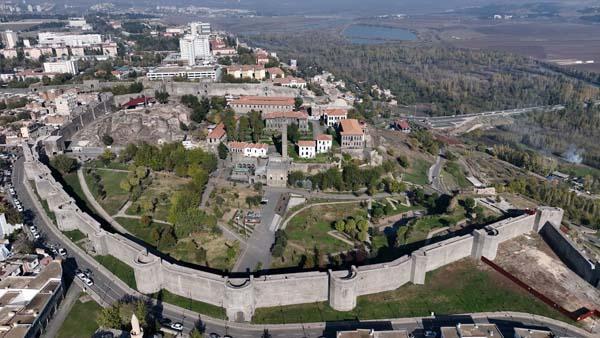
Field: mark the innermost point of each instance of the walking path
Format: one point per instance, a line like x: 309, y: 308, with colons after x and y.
x: 63, y: 311
x: 101, y: 212
x: 287, y: 219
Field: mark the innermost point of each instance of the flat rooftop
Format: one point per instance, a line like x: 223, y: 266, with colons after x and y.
x: 471, y: 331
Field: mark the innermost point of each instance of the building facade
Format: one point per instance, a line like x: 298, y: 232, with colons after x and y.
x: 334, y: 116
x: 191, y: 73
x: 306, y: 149
x: 64, y: 66
x: 324, y: 143
x: 280, y: 120
x: 263, y: 104
x: 352, y: 135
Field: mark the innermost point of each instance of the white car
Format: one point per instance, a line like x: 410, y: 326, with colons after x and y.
x: 80, y: 274
x: 33, y: 229
x: 19, y: 208
x: 36, y: 235
x: 62, y: 252
x: 88, y: 281
x: 177, y: 326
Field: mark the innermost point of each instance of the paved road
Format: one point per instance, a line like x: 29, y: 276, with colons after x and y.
x: 258, y: 246
x: 435, y: 174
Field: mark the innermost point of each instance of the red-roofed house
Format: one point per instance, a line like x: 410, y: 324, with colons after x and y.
x: 402, y: 125
x: 282, y: 119
x: 262, y: 58
x: 217, y: 135
x: 333, y: 116
x: 275, y: 72
x: 324, y: 143
x: 353, y: 136
x: 306, y: 149
x: 290, y: 82
x: 248, y: 149
x: 141, y: 101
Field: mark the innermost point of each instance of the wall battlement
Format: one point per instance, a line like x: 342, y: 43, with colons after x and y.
x: 241, y: 296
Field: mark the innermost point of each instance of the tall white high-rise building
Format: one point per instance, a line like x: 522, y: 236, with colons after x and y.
x: 199, y: 28
x: 10, y: 39
x: 193, y: 47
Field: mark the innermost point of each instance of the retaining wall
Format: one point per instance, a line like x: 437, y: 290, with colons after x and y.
x: 241, y: 296
x: 566, y: 250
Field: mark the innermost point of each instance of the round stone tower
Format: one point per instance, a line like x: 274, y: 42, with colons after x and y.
x: 342, y: 289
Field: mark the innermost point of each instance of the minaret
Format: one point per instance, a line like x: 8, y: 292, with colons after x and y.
x: 136, y: 330
x: 284, y: 140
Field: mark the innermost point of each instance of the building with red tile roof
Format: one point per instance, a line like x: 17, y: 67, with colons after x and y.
x: 217, y: 135
x: 281, y: 119
x: 352, y: 134
x: 262, y: 103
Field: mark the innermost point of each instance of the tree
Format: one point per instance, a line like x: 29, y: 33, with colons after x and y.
x: 293, y: 133
x: 124, y: 184
x: 107, y: 140
x: 107, y: 156
x: 469, y: 203
x: 223, y: 151
x: 298, y: 101
x: 146, y: 220
x: 362, y: 225
x: 340, y: 225
x: 63, y: 163
x: 110, y: 317
x: 155, y: 235
x: 167, y: 238
x: 162, y: 96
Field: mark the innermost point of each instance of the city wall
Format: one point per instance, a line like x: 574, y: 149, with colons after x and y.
x: 241, y: 296
x: 219, y: 89
x: 568, y: 252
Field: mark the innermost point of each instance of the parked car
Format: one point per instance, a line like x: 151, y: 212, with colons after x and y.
x: 62, y: 252
x: 88, y: 282
x: 80, y: 274
x: 214, y: 335
x: 177, y: 326
x: 36, y: 235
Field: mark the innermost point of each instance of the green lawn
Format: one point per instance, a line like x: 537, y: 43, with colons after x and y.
x: 115, y: 196
x: 421, y: 228
x: 309, y: 229
x: 458, y: 174
x: 462, y: 287
x: 417, y: 173
x: 81, y: 321
x: 123, y: 271
x: 137, y: 229
x: 193, y: 305
x: 74, y: 235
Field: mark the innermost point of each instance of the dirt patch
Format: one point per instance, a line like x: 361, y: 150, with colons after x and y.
x: 531, y: 260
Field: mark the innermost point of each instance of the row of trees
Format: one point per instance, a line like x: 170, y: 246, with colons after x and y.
x: 357, y: 228
x: 450, y: 80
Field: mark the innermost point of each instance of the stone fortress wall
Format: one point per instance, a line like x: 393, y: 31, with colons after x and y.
x: 241, y: 296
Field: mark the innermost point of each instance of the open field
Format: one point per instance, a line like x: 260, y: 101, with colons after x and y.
x: 115, y: 196
x: 309, y: 230
x: 161, y: 188
x: 190, y: 304
x: 81, y: 321
x: 218, y: 252
x: 462, y: 287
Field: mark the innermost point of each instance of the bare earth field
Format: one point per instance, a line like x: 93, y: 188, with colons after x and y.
x: 530, y: 259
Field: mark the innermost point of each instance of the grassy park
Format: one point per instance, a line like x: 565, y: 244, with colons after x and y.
x: 310, y: 229
x: 417, y: 172
x: 81, y: 321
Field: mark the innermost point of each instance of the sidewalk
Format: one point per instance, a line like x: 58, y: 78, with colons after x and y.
x: 63, y: 311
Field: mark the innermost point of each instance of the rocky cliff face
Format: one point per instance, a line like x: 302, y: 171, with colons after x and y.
x: 160, y: 123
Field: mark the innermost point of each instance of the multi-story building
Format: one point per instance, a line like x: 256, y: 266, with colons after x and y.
x: 324, y: 143
x: 333, y: 116
x: 71, y: 40
x: 306, y: 149
x: 275, y: 72
x: 66, y: 103
x: 200, y: 28
x: 193, y: 47
x: 247, y: 71
x: 263, y: 104
x: 352, y: 134
x: 28, y: 302
x: 191, y: 73
x: 248, y: 149
x: 9, y: 38
x: 280, y: 120
x: 62, y: 66
x: 9, y: 53
x: 109, y: 49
